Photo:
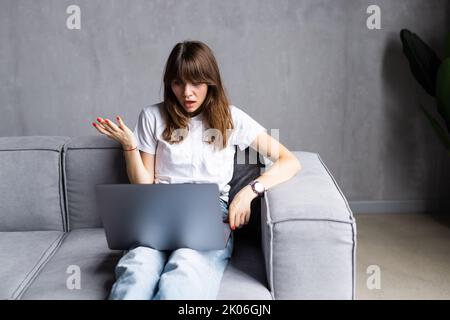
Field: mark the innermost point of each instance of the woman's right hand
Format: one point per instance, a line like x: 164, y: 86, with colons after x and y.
x: 120, y: 133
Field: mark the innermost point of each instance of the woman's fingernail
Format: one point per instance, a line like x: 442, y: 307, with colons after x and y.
x: 117, y: 118
x: 94, y: 124
x: 99, y: 120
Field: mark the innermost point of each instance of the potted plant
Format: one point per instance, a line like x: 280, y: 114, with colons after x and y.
x: 433, y: 74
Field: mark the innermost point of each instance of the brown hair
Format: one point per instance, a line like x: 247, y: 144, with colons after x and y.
x: 194, y: 61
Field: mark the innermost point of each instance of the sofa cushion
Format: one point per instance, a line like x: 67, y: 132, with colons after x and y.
x: 22, y: 255
x: 88, y: 161
x: 244, y: 277
x: 247, y: 167
x: 31, y: 196
x: 83, y: 252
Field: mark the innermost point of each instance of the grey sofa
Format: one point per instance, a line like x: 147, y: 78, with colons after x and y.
x: 300, y: 243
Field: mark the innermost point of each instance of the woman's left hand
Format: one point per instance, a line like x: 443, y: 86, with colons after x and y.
x: 239, y: 208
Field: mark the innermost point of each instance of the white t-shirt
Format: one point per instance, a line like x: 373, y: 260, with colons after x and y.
x: 192, y: 160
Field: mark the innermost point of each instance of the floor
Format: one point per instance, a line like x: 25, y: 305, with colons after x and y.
x: 403, y: 256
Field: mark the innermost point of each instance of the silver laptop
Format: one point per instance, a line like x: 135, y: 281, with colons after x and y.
x: 162, y: 216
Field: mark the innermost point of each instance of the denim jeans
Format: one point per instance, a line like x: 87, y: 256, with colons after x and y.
x: 145, y: 273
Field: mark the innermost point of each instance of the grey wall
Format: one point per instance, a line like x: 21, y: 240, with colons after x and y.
x: 308, y: 67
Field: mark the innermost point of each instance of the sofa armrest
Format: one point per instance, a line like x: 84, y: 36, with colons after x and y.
x: 308, y: 235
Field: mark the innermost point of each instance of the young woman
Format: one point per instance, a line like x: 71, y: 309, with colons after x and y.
x: 191, y: 137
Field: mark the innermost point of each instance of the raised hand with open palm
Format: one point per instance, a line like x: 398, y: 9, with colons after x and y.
x: 121, y: 133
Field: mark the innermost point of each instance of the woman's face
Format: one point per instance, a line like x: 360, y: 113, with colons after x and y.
x: 189, y: 92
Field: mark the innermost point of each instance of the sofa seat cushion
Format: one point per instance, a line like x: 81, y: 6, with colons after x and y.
x: 84, y: 252
x: 22, y: 255
x: 244, y: 277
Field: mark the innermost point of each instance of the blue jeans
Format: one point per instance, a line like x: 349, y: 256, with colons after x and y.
x: 145, y: 273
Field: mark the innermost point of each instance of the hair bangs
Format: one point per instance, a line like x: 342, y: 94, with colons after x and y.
x: 191, y: 70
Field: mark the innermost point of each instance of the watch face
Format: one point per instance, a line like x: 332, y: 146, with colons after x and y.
x: 259, y: 187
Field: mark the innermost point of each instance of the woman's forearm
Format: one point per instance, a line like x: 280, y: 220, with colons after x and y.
x: 136, y: 171
x: 281, y: 170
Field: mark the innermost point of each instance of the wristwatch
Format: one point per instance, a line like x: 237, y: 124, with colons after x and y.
x: 257, y: 187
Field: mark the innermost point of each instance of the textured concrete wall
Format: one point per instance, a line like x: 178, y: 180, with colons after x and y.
x: 310, y: 68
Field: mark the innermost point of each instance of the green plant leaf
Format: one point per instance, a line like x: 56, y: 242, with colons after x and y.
x: 442, y: 134
x: 447, y: 47
x: 423, y: 61
x: 443, y: 91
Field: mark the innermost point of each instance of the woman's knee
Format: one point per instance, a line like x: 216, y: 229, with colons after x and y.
x: 141, y: 257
